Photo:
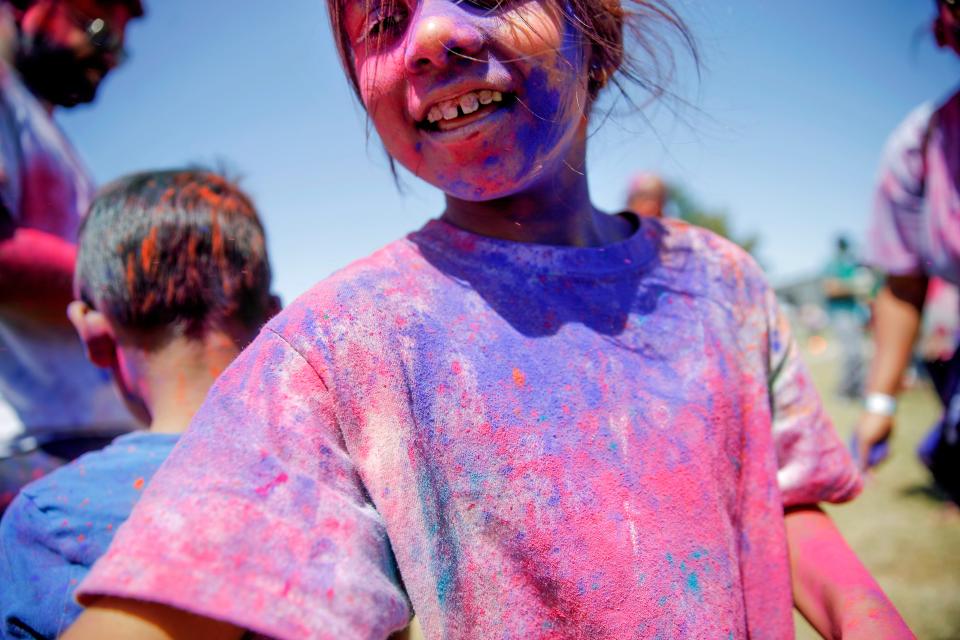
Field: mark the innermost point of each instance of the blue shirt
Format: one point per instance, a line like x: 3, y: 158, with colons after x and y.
x: 61, y: 524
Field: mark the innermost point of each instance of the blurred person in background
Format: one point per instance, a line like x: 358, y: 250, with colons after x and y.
x: 54, y: 404
x: 647, y: 195
x: 914, y: 236
x: 842, y: 289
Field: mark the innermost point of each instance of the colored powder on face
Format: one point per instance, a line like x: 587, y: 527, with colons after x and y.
x: 138, y: 484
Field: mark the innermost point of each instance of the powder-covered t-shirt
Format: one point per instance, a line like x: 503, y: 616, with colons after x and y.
x: 511, y: 440
x: 48, y: 388
x: 915, y: 228
x: 58, y: 526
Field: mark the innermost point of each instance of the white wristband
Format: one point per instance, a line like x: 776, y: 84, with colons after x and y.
x: 880, y: 404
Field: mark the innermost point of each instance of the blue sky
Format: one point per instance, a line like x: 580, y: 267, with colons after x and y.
x: 785, y: 131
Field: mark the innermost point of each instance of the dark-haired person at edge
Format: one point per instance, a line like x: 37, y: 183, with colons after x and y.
x: 172, y: 281
x: 54, y: 404
x: 914, y: 235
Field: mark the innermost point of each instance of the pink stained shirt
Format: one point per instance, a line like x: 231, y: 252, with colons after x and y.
x: 915, y: 227
x: 520, y: 441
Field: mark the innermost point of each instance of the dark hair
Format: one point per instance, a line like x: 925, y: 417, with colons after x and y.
x: 177, y: 250
x: 610, y: 29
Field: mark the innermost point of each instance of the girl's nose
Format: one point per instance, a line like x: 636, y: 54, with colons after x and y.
x: 440, y: 34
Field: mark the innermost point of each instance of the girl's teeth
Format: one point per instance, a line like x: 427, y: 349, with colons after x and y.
x: 449, y: 109
x: 464, y: 105
x: 469, y: 103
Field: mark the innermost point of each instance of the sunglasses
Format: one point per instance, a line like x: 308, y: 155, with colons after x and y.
x: 98, y: 32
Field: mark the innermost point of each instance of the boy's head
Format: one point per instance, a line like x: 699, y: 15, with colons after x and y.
x: 169, y: 256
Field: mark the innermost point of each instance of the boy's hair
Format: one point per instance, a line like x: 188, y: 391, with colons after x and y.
x: 610, y: 28
x: 175, y: 252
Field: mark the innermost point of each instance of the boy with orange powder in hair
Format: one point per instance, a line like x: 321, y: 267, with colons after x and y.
x: 172, y: 281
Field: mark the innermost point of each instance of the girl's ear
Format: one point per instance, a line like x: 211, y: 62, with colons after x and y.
x: 606, y: 52
x: 95, y: 332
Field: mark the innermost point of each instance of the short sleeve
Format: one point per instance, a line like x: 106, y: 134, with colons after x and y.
x: 37, y: 578
x: 813, y: 465
x: 259, y: 517
x: 893, y: 240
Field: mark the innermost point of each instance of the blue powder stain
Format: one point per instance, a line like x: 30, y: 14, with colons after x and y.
x: 613, y: 446
x: 670, y: 559
x: 662, y: 601
x: 444, y: 582
x: 693, y: 584
x: 491, y: 161
x: 542, y: 418
x: 418, y: 146
x: 699, y: 553
x: 544, y: 103
x: 554, y: 499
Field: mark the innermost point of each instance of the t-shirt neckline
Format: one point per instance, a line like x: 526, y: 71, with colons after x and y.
x: 630, y: 254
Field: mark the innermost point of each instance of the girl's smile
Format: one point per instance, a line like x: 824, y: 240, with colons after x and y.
x: 482, y: 103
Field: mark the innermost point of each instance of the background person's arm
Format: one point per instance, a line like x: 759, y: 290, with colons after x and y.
x: 120, y: 619
x: 831, y: 587
x: 36, y: 274
x: 898, y: 312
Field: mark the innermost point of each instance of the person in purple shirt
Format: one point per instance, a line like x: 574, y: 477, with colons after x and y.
x: 172, y: 281
x: 915, y: 235
x: 54, y: 405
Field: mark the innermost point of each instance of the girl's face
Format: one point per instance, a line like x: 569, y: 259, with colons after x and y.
x: 480, y: 102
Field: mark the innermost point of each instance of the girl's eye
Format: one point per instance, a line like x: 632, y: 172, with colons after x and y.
x: 486, y: 5
x: 383, y: 24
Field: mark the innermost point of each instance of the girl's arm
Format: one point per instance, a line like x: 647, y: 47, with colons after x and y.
x: 831, y: 588
x: 897, y: 314
x: 120, y: 619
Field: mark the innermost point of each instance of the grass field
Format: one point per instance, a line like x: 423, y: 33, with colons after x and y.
x: 899, y: 526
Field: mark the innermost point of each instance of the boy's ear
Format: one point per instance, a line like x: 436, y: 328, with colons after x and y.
x: 95, y: 332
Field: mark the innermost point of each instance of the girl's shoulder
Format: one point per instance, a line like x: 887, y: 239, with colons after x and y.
x: 705, y: 248
x: 356, y: 297
x: 704, y: 264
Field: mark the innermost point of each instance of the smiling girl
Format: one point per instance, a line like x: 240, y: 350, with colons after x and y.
x: 528, y: 419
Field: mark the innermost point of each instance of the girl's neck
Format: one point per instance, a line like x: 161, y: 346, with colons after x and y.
x: 556, y: 210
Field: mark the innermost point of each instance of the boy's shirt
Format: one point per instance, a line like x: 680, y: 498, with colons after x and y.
x: 547, y: 442
x: 61, y: 524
